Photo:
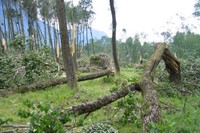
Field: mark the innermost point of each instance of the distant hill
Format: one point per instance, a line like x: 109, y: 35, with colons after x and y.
x: 98, y: 34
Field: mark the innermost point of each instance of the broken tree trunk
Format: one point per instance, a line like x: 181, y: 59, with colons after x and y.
x: 172, y: 66
x: 43, y: 85
x: 151, y: 106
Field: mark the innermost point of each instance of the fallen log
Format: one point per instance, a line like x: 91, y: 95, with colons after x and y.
x: 43, y: 85
x: 89, y: 107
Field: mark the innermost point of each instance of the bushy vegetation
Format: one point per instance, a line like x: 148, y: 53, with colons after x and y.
x: 99, y: 128
x: 27, y: 67
x: 43, y: 117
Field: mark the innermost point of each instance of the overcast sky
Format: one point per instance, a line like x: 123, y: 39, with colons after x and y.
x: 143, y: 16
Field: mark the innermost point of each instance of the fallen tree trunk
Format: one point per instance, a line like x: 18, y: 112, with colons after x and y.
x: 151, y: 105
x: 43, y: 85
x: 89, y: 107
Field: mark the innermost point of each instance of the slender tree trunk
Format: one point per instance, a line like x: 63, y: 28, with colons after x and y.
x: 77, y: 42
x: 2, y: 42
x: 17, y: 20
x: 88, y: 46
x: 114, y: 28
x: 50, y: 38
x: 35, y: 33
x: 93, y: 49
x: 31, y: 34
x: 45, y: 32
x: 1, y: 32
x: 40, y: 34
x: 56, y: 44
x: 22, y: 21
x: 4, y: 21
x: 83, y: 40
x: 80, y: 42
x: 67, y: 57
x: 8, y: 19
x: 74, y: 46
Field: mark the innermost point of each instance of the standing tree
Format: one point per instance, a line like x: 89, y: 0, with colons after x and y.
x: 67, y: 57
x: 30, y: 8
x: 114, y: 25
x: 197, y: 9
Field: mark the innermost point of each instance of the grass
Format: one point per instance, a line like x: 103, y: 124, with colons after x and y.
x: 11, y: 104
x: 173, y: 120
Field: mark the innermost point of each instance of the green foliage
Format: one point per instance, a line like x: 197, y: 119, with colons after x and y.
x: 186, y: 43
x: 178, y: 122
x: 99, y: 128
x: 25, y: 68
x: 131, y: 107
x: 44, y: 118
x: 9, y: 75
x: 5, y: 121
x: 114, y: 88
x: 17, y: 43
x: 109, y: 79
x: 133, y: 79
x: 34, y: 66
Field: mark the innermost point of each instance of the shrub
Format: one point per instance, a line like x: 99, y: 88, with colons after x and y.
x: 44, y: 118
x: 99, y: 128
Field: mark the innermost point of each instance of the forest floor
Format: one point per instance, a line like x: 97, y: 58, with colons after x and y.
x: 180, y: 112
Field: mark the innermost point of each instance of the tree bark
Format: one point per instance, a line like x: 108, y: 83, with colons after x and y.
x: 67, y: 57
x: 114, y: 28
x: 92, y: 40
x: 43, y: 85
x: 172, y: 66
x: 89, y: 107
x: 22, y: 21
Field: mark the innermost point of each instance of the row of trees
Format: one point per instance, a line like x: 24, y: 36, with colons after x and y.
x: 21, y: 19
x: 24, y: 18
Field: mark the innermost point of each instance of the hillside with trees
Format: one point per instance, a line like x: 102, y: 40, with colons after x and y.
x: 56, y: 75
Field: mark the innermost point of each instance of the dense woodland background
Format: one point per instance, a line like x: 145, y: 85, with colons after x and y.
x: 31, y: 52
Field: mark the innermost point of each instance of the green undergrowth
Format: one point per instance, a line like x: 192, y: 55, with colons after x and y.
x: 11, y: 104
x: 180, y: 112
